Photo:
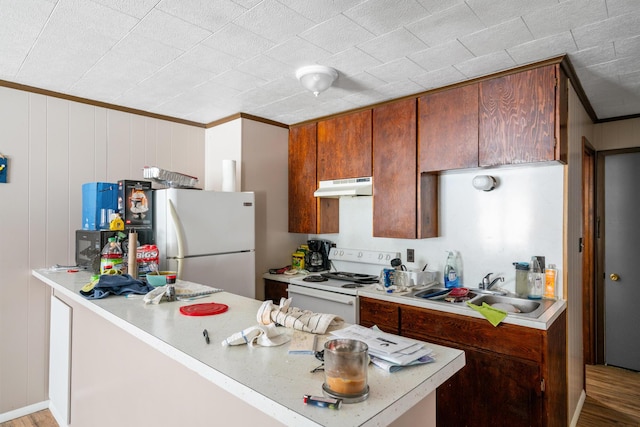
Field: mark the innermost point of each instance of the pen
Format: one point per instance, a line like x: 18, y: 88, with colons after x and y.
x: 206, y: 336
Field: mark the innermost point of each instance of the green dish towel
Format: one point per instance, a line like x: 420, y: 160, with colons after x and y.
x: 493, y: 315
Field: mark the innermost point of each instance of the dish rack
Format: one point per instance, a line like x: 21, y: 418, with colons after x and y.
x: 169, y: 178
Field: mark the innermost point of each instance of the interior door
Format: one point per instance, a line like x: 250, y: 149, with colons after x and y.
x: 622, y: 252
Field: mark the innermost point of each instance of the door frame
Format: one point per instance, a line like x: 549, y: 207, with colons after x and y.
x: 589, y: 236
x: 598, y: 303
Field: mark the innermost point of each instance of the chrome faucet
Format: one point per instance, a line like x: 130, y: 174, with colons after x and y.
x: 487, y: 283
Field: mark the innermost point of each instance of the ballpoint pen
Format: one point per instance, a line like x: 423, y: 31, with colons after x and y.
x: 206, y: 336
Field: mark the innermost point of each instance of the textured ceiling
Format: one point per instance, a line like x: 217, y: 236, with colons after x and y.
x: 204, y: 60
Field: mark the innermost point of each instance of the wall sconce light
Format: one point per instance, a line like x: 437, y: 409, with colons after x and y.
x: 316, y: 78
x: 484, y: 182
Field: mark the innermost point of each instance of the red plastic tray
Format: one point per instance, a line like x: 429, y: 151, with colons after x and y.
x: 204, y: 309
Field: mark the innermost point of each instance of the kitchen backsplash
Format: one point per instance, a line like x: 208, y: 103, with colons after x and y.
x: 521, y: 217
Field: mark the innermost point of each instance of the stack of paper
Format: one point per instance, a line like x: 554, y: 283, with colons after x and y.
x: 388, y: 351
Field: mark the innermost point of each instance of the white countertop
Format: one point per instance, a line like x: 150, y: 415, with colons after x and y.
x: 543, y: 322
x: 266, y: 377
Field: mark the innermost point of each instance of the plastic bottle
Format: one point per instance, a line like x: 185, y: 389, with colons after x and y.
x: 451, y: 272
x: 111, y: 261
x: 535, y: 287
x: 550, y: 275
x: 522, y: 278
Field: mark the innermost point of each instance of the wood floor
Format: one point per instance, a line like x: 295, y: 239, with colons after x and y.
x: 613, y: 399
x: 37, y: 419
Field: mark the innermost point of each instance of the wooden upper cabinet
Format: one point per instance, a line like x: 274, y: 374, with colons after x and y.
x: 448, y: 129
x: 394, y: 170
x: 307, y: 214
x: 302, y: 179
x: 344, y: 146
x: 518, y: 117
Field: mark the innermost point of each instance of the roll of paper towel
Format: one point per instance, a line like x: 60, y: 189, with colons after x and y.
x: 228, y: 175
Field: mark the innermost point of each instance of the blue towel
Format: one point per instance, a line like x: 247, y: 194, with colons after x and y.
x: 121, y: 284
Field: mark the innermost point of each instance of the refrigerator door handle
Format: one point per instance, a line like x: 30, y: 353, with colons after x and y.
x: 179, y: 236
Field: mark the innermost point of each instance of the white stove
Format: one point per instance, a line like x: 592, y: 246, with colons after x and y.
x: 336, y: 291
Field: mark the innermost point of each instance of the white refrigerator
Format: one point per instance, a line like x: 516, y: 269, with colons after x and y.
x: 208, y: 237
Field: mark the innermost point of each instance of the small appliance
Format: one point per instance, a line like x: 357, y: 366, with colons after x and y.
x: 99, y: 200
x: 89, y: 244
x: 317, y: 258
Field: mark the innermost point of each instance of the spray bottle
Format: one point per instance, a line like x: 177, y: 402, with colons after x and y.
x: 451, y: 271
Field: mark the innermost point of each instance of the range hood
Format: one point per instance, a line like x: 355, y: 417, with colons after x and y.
x: 345, y: 187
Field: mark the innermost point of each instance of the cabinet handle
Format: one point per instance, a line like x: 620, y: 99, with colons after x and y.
x: 614, y: 277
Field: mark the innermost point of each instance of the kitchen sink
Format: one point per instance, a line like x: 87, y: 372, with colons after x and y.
x: 515, y: 306
x: 512, y: 305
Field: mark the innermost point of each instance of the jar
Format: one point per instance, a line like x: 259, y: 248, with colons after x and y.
x: 345, y: 368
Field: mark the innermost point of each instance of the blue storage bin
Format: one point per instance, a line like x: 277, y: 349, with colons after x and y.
x: 98, y: 199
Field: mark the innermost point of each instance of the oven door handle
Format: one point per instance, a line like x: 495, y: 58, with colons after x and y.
x: 326, y: 295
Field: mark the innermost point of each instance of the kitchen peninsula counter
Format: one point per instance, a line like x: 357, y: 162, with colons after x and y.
x: 136, y: 364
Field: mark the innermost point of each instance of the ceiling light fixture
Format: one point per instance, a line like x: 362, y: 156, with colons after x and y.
x: 316, y: 78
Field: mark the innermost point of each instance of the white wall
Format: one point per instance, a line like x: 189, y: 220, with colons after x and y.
x: 522, y: 217
x: 223, y: 142
x: 54, y: 146
x: 261, y: 154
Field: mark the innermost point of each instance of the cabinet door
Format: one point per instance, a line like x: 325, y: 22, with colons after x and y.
x: 517, y: 118
x: 60, y: 360
x: 496, y: 387
x: 302, y: 179
x: 344, y: 146
x: 386, y: 315
x: 448, y: 129
x: 492, y: 390
x: 275, y: 290
x: 394, y: 170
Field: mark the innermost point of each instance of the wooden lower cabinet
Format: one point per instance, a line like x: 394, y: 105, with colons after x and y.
x: 383, y: 314
x: 274, y: 290
x: 514, y: 375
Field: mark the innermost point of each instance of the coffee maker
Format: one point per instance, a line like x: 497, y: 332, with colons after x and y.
x: 317, y: 258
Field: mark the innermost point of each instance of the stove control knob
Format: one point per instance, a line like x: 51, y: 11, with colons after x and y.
x: 380, y: 256
x: 360, y: 254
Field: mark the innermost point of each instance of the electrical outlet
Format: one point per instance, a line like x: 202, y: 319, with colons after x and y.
x: 410, y: 255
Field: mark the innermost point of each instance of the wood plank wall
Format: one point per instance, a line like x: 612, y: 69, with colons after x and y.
x: 54, y: 146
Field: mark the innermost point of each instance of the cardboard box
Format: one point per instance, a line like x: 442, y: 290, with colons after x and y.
x: 135, y: 203
x: 98, y: 200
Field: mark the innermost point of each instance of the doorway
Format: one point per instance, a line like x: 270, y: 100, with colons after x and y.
x: 618, y: 283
